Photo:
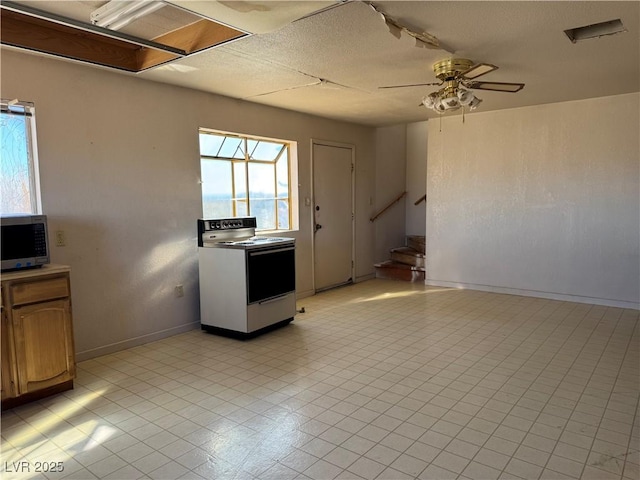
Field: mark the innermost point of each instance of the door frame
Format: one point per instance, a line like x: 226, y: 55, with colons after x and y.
x: 352, y: 147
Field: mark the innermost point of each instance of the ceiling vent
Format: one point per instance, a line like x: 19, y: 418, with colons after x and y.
x: 596, y: 30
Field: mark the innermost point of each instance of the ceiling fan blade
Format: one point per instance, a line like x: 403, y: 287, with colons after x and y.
x: 413, y: 85
x: 495, y: 86
x: 478, y: 70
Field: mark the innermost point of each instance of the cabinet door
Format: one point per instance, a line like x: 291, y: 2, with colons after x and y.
x: 43, y: 344
x: 7, y: 363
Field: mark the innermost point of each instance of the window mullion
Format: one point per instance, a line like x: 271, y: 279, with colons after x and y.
x: 220, y: 148
x: 275, y: 193
x: 246, y: 175
x: 234, y: 201
x: 289, y: 210
x: 284, y: 147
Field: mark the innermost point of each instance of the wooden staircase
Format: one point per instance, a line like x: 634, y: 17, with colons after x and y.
x: 406, y: 263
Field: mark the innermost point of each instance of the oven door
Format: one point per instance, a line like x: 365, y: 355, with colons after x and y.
x: 271, y: 272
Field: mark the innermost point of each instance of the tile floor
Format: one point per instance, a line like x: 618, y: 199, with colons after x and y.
x: 382, y: 379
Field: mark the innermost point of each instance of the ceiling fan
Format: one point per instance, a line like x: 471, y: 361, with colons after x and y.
x: 458, y: 75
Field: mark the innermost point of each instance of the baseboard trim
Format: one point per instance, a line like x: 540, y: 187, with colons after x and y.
x: 311, y: 293
x: 305, y: 294
x: 535, y: 293
x: 364, y: 278
x: 134, y: 342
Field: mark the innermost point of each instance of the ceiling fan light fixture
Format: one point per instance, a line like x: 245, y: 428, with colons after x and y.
x: 451, y: 99
x: 451, y: 103
x: 438, y: 106
x: 457, y: 75
x: 429, y: 101
x: 465, y: 96
x: 474, y: 103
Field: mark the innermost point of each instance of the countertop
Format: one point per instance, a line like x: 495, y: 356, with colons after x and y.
x: 48, y: 269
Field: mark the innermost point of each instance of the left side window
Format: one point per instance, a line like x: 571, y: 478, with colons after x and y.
x: 19, y: 180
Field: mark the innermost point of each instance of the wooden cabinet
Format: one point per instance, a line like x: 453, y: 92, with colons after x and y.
x: 7, y: 365
x: 38, y: 357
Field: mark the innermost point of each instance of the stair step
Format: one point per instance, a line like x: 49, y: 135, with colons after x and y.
x: 409, y: 256
x: 417, y: 242
x: 399, y: 271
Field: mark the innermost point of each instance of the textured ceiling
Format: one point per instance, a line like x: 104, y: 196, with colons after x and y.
x: 332, y: 63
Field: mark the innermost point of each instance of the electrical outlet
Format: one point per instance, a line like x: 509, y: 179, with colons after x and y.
x: 179, y: 290
x: 60, y: 238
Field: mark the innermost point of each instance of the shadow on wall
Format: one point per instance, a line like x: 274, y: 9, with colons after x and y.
x: 115, y: 299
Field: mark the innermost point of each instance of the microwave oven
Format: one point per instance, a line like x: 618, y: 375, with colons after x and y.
x: 24, y: 241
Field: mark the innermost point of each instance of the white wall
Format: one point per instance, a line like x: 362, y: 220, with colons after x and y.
x: 390, y: 182
x: 542, y: 201
x: 416, y: 184
x: 120, y: 167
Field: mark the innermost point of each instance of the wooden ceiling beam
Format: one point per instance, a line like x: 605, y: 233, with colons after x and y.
x: 25, y: 31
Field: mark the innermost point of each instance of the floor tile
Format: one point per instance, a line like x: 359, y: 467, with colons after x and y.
x: 492, y: 458
x: 523, y: 469
x: 382, y: 454
x: 434, y: 471
x: 480, y: 471
x: 366, y: 468
x: 381, y: 379
x: 323, y: 469
x: 410, y: 465
x: 451, y: 462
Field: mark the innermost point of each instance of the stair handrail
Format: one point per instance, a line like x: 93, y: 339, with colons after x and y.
x: 398, y: 198
x: 421, y: 199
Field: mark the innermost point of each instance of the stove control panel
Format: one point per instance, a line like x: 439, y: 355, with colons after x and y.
x: 226, y: 224
x: 225, y: 229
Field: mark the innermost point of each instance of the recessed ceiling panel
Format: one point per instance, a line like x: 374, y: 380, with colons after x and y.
x: 32, y: 28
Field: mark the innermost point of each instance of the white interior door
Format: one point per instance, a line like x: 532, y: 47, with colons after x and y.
x: 333, y: 215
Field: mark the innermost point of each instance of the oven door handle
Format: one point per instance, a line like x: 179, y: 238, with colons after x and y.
x: 274, y: 299
x: 266, y: 252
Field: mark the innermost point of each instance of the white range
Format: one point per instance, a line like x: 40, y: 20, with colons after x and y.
x: 247, y: 282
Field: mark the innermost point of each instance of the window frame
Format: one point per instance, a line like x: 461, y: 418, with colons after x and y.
x: 288, y: 149
x: 27, y: 109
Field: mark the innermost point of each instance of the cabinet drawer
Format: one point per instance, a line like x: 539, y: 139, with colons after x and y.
x: 39, y: 291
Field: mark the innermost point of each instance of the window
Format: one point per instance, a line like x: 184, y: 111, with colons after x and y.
x: 19, y: 183
x: 247, y: 176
